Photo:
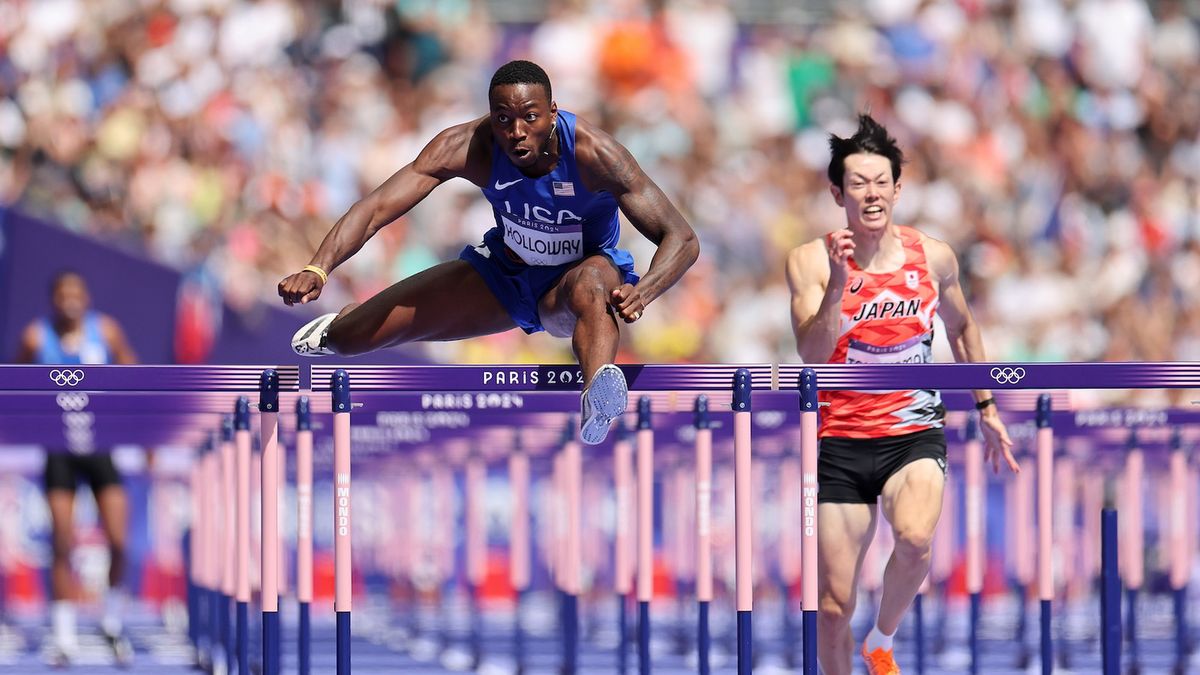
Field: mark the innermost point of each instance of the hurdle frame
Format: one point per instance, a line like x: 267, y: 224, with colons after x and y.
x: 932, y: 376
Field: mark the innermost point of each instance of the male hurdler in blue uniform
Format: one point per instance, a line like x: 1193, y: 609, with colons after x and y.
x: 555, y: 183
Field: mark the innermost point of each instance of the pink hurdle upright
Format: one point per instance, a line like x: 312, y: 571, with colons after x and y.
x: 743, y: 519
x: 304, y: 533
x: 645, y: 531
x: 623, y: 558
x: 973, y: 499
x: 808, y: 499
x: 241, y: 439
x: 518, y: 550
x: 704, y: 572
x: 268, y: 406
x: 340, y: 385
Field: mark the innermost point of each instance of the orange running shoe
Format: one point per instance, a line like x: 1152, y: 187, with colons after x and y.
x: 880, y: 661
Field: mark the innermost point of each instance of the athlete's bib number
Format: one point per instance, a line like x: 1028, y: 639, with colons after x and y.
x: 916, y: 350
x: 547, y: 245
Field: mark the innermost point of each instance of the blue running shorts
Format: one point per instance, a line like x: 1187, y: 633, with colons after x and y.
x: 518, y: 286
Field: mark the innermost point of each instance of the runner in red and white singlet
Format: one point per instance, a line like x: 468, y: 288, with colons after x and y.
x: 886, y: 318
x: 868, y: 293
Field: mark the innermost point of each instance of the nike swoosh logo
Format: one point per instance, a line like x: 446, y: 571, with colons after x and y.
x: 501, y: 186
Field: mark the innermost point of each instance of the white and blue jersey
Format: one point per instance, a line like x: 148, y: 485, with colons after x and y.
x: 92, y: 348
x: 544, y: 225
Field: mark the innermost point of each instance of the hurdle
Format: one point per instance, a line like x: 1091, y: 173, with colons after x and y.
x: 197, y: 571
x: 476, y: 535
x: 998, y: 376
x: 241, y: 442
x: 974, y: 498
x: 268, y: 407
x: 519, y: 543
x: 704, y: 574
x: 177, y: 405
x: 547, y: 379
x: 1180, y: 516
x: 645, y: 531
x: 304, y: 535
x: 229, y: 573
x: 946, y: 377
x: 623, y: 566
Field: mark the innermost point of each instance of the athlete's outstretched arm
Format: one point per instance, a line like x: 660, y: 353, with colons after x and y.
x: 610, y: 167
x: 966, y: 342
x: 817, y: 276
x: 447, y: 156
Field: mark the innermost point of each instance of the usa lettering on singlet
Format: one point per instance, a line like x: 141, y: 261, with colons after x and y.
x: 886, y: 317
x: 552, y: 219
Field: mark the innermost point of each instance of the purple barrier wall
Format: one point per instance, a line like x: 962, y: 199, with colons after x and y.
x: 142, y: 295
x: 138, y: 294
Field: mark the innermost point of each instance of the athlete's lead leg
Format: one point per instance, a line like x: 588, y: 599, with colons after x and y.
x: 449, y: 301
x: 844, y: 531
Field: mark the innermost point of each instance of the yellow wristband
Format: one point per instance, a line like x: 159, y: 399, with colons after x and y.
x: 317, y: 271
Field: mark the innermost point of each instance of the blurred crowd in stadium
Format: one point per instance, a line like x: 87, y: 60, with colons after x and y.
x: 1054, y: 143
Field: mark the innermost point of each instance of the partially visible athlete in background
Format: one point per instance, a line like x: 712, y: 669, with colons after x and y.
x: 868, y: 293
x: 74, y: 334
x: 551, y: 262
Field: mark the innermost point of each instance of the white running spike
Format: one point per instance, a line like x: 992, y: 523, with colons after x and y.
x: 601, y: 403
x: 310, y: 340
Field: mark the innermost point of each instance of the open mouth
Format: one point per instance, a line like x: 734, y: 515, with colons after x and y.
x: 521, y: 153
x: 873, y: 211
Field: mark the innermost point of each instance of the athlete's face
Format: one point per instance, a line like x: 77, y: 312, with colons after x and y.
x: 70, y: 298
x: 868, y: 192
x: 522, y: 118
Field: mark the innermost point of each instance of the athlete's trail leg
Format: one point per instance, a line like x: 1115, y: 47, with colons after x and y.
x: 449, y: 301
x: 912, y: 503
x: 844, y: 531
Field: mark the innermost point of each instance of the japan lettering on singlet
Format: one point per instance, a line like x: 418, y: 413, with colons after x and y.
x: 886, y: 317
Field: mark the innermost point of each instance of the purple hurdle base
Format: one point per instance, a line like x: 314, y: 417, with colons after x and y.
x: 343, y: 643
x: 1110, y: 595
x: 305, y: 640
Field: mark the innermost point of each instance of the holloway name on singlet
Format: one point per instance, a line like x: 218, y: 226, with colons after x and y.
x: 541, y: 236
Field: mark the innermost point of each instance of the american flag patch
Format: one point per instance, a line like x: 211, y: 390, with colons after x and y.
x: 564, y: 189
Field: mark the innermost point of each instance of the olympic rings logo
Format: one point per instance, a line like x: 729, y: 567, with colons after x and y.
x: 79, y: 421
x: 1008, y: 375
x: 66, y: 378
x: 71, y: 401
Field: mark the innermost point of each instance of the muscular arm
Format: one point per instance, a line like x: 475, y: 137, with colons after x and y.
x: 608, y: 166
x: 966, y: 342
x: 460, y: 151
x: 816, y: 303
x: 447, y: 156
x: 27, y: 352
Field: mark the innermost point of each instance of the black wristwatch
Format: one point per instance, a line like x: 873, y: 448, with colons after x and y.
x: 991, y: 400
